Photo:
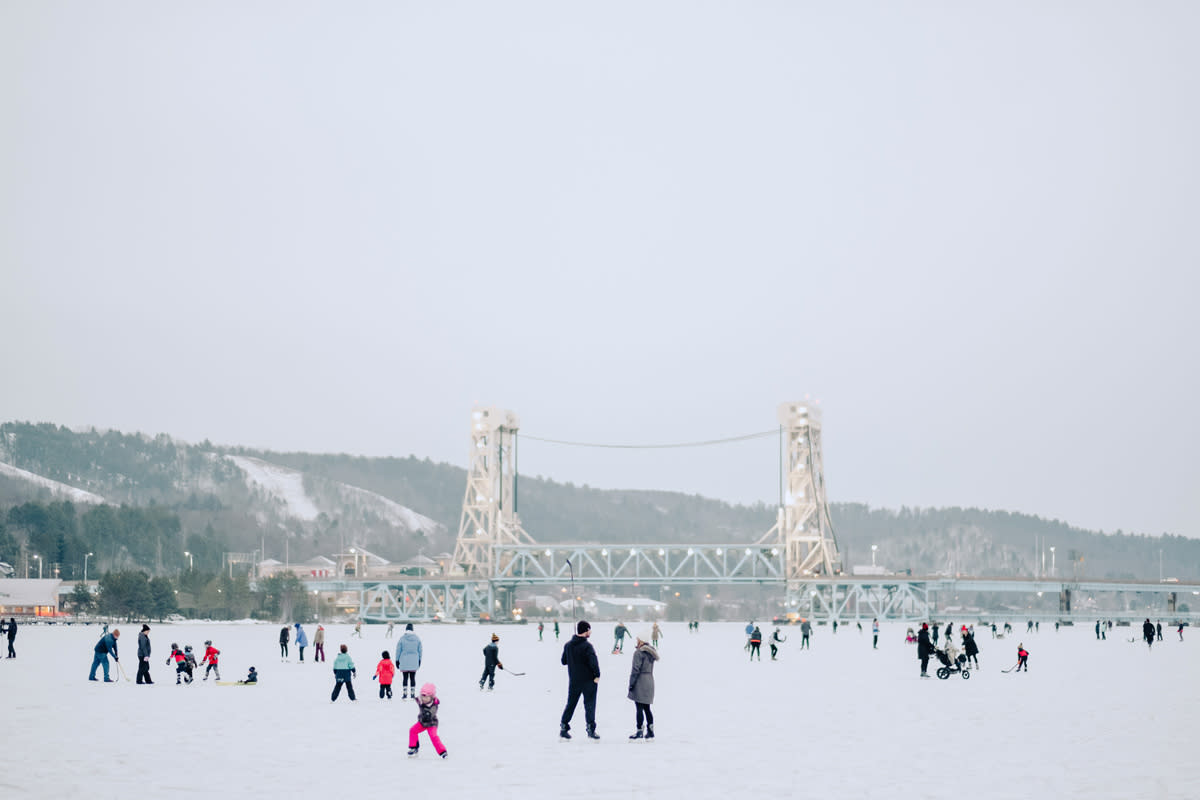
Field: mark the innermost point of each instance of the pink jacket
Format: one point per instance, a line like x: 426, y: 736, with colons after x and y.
x: 385, y: 671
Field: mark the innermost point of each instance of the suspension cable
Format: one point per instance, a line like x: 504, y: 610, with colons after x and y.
x: 705, y: 443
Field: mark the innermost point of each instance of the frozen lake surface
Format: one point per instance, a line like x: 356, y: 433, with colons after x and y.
x: 1091, y: 719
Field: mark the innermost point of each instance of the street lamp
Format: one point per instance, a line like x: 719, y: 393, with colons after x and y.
x: 1052, y: 561
x: 39, y: 560
x: 189, y: 555
x: 86, y: 556
x: 874, y: 547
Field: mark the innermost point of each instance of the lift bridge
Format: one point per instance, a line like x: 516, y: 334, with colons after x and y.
x: 494, y: 555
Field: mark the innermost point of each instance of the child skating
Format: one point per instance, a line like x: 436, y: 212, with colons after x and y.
x: 427, y: 720
x: 385, y: 670
x: 343, y: 670
x: 491, y: 660
x: 210, y: 658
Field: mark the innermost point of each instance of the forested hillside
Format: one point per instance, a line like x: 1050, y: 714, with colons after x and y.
x: 166, y: 497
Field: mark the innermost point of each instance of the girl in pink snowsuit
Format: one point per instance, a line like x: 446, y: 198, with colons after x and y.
x: 427, y: 720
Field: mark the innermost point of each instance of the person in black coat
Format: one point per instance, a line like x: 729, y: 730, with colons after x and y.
x: 143, y: 670
x: 1148, y: 632
x: 12, y: 634
x: 970, y: 649
x: 583, y: 674
x: 924, y: 648
x: 491, y: 660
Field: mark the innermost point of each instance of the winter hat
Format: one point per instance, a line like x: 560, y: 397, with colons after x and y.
x: 145, y: 628
x: 644, y: 635
x: 495, y: 638
x: 429, y: 690
x: 582, y: 627
x: 408, y: 627
x: 924, y: 626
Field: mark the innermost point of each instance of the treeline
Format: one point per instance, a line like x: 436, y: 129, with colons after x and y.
x: 132, y: 594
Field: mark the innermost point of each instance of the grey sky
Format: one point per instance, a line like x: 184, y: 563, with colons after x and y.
x: 969, y: 230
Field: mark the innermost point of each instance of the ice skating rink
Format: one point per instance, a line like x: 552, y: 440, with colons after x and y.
x: 1091, y: 719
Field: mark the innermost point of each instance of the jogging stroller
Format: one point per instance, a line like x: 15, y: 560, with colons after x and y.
x: 949, y: 667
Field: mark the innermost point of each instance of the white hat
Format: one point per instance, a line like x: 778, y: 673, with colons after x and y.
x: 644, y: 635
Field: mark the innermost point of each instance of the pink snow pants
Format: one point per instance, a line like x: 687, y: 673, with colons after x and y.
x: 415, y: 731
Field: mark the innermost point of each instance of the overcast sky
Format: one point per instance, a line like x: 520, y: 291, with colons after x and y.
x: 969, y: 230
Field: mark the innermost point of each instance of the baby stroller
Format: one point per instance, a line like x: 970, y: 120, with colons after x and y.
x: 949, y: 667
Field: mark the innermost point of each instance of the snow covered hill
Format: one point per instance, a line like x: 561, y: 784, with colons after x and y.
x: 61, y: 491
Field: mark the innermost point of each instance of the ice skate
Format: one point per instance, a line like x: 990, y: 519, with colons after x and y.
x: 650, y: 731
x: 564, y: 732
x: 638, y: 735
x: 412, y: 751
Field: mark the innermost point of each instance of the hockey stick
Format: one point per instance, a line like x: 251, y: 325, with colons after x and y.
x: 1010, y: 669
x: 510, y: 672
x: 122, y: 671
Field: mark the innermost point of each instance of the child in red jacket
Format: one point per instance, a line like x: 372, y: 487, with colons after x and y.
x: 210, y: 658
x: 384, y: 672
x: 1022, y: 658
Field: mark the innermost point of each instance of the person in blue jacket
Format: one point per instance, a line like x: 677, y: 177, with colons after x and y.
x: 301, y: 640
x: 408, y: 660
x: 106, y: 645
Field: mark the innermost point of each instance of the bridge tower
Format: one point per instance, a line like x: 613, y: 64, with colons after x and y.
x: 489, y: 515
x: 802, y: 527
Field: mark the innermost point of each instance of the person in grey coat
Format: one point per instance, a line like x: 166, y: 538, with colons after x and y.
x: 143, y: 670
x: 641, y: 683
x: 408, y: 660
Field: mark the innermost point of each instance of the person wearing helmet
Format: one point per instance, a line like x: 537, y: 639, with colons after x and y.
x: 210, y: 658
x: 251, y: 678
x: 180, y: 660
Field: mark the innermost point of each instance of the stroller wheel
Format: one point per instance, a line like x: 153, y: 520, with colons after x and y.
x: 966, y: 674
x: 943, y: 673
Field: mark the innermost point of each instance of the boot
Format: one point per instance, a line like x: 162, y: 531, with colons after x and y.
x: 564, y: 731
x: 412, y: 751
x: 592, y: 733
x: 650, y: 731
x: 637, y: 735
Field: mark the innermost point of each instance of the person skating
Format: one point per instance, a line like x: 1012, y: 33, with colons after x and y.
x: 583, y: 676
x: 251, y: 677
x: 875, y: 634
x: 11, y: 632
x: 776, y: 640
x: 301, y: 640
x: 358, y: 629
x: 343, y: 671
x: 385, y: 670
x: 656, y: 633
x: 641, y: 683
x: 1148, y: 632
x: 491, y: 660
x: 210, y: 658
x: 950, y: 631
x: 106, y: 645
x: 556, y: 630
x: 177, y: 657
x: 427, y: 720
x: 285, y: 636
x: 934, y: 634
x: 319, y: 644
x: 541, y: 629
x: 619, y: 637
x: 391, y: 627
x: 408, y: 661
x: 1181, y: 631
x: 1022, y: 658
x: 1158, y: 630
x: 143, y: 670
x: 924, y: 648
x: 756, y: 643
x: 805, y: 633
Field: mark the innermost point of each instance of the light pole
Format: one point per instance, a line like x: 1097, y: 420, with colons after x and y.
x: 874, y: 547
x: 1052, y: 571
x: 39, y: 560
x: 189, y: 555
x: 86, y: 556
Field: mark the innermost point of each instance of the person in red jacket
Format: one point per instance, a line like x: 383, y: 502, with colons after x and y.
x: 384, y: 672
x: 210, y: 658
x: 1022, y: 658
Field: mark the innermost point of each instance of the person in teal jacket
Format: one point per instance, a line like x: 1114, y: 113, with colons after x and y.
x: 106, y: 645
x: 343, y: 670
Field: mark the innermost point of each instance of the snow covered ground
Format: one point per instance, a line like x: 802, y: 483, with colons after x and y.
x: 1090, y: 719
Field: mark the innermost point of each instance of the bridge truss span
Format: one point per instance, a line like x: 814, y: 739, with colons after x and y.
x: 626, y: 563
